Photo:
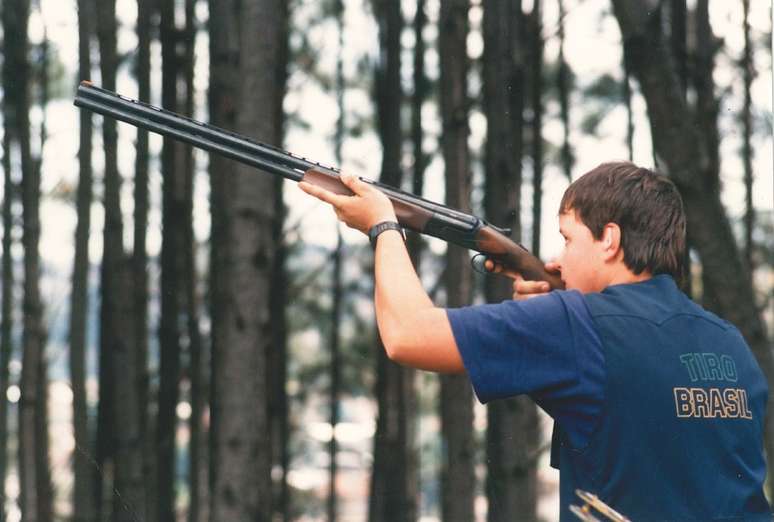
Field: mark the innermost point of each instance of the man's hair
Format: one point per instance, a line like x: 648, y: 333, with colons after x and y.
x: 645, y: 205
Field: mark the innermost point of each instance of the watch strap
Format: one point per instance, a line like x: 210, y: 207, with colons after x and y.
x: 377, y: 229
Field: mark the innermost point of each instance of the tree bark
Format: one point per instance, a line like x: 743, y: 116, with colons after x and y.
x: 562, y: 81
x: 535, y: 35
x: 394, y: 495
x: 118, y: 331
x: 278, y: 403
x: 140, y: 258
x: 334, y: 391
x: 748, y: 73
x: 174, y: 219
x: 684, y: 150
x: 457, y: 473
x: 33, y: 466
x: 241, y: 456
x: 84, y: 507
x: 6, y: 318
x: 512, y: 427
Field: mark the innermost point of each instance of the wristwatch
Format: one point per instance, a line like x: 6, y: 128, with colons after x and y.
x: 377, y: 229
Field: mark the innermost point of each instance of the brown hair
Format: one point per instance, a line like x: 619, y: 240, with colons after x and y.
x: 645, y: 205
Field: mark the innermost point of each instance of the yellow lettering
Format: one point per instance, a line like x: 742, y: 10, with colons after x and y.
x: 683, y: 402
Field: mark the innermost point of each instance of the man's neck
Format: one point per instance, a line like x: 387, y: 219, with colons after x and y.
x: 624, y: 276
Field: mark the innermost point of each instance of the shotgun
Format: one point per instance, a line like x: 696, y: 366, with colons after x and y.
x: 413, y: 212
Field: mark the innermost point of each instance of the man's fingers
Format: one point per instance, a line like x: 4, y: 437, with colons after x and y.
x: 552, y: 267
x: 530, y: 287
x: 496, y: 267
x: 322, y: 194
x: 355, y: 184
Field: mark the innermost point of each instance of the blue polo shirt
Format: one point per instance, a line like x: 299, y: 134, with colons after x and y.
x: 658, y: 404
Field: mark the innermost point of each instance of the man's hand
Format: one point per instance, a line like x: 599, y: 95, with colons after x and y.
x: 368, y: 206
x: 523, y: 289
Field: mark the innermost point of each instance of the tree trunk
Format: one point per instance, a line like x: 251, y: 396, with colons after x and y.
x: 84, y: 508
x: 241, y: 456
x: 627, y: 97
x: 394, y: 495
x: 194, y: 371
x: 457, y: 473
x: 336, y: 284
x: 748, y: 73
x: 278, y: 405
x: 33, y: 466
x: 535, y: 35
x: 562, y: 81
x: 512, y: 427
x: 6, y: 318
x: 140, y: 258
x: 118, y: 343
x: 690, y: 162
x: 421, y: 91
x: 174, y: 222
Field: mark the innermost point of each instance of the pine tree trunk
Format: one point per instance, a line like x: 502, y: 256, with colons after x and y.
x: 6, y: 318
x: 241, y: 455
x: 84, y: 506
x: 457, y: 473
x: 393, y: 493
x: 197, y: 458
x: 174, y: 219
x: 279, y: 408
x: 420, y: 94
x: 140, y: 291
x: 562, y: 81
x: 684, y: 148
x: 118, y: 342
x: 512, y: 427
x: 336, y: 285
x: 536, y: 102
x: 748, y: 73
x: 33, y: 466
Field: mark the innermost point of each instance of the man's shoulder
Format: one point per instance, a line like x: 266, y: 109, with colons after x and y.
x: 656, y: 300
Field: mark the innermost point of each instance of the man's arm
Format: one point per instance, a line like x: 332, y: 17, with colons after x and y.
x: 415, y: 332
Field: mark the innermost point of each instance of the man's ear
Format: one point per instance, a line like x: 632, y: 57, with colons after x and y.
x: 611, y: 242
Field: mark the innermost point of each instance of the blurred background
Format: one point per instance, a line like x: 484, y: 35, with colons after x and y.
x: 184, y: 338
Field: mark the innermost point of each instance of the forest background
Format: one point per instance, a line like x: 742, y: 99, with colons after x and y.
x: 184, y: 338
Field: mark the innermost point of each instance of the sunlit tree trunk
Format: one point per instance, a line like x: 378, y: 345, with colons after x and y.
x: 83, y: 471
x: 457, y: 473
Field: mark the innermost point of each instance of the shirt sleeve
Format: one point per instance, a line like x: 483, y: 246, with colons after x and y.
x: 546, y: 347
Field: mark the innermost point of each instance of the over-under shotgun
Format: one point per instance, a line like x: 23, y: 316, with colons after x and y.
x: 414, y: 213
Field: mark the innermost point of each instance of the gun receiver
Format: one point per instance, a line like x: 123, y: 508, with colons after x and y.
x: 413, y: 212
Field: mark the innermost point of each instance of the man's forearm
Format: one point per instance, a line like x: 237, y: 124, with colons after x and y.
x: 414, y: 331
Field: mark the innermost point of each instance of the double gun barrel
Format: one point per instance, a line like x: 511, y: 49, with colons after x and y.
x: 413, y: 212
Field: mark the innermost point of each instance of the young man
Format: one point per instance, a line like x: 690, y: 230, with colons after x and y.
x: 658, y: 404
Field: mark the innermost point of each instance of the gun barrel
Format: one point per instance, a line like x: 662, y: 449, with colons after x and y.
x: 199, y: 134
x: 444, y: 222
